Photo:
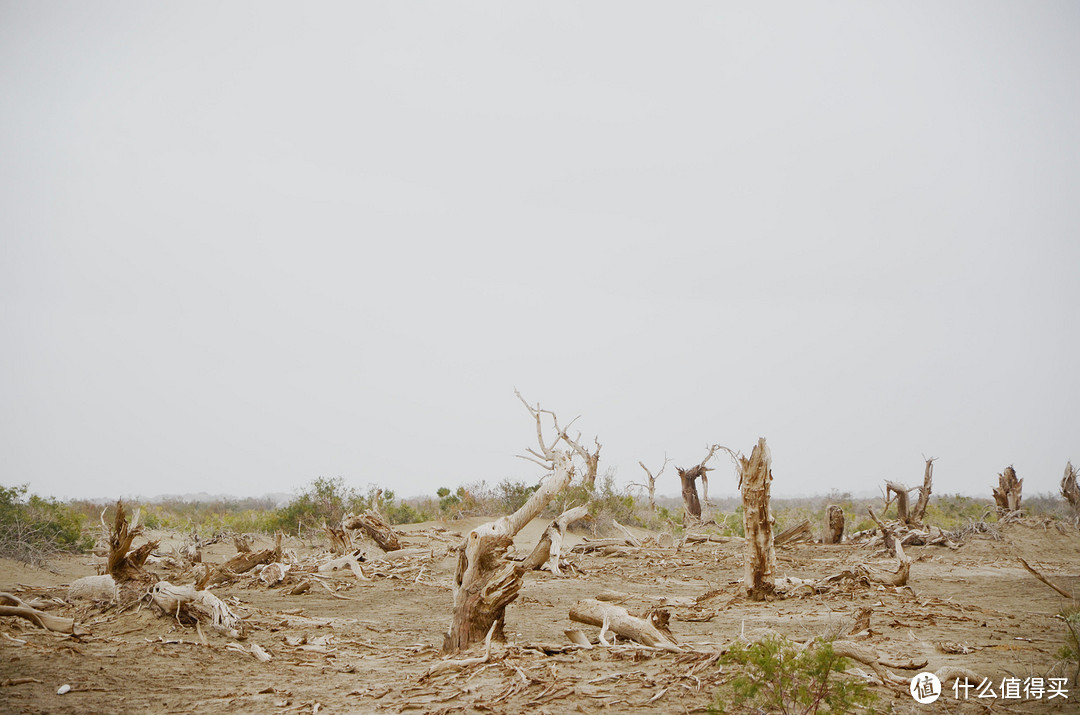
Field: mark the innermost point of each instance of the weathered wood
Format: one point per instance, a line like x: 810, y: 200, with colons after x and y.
x: 201, y: 606
x: 834, y: 525
x: 548, y: 550
x: 689, y: 477
x: 651, y: 632
x: 918, y: 512
x: 124, y: 563
x: 799, y: 532
x: 754, y: 483
x: 901, y: 499
x: 485, y: 581
x: 1007, y: 493
x: 650, y: 484
x: 1042, y: 578
x: 11, y: 605
x: 1069, y: 489
x: 376, y: 527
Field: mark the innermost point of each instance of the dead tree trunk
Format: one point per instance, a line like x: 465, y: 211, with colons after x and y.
x: 650, y: 484
x: 834, y: 525
x: 901, y: 498
x: 754, y: 481
x: 372, y: 524
x: 591, y: 459
x: 1069, y: 490
x: 486, y: 582
x: 689, y: 477
x: 1007, y: 493
x: 918, y: 512
x: 549, y: 549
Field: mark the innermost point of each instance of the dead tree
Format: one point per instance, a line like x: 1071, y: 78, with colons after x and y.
x: 374, y: 525
x: 834, y: 525
x: 918, y: 512
x: 1007, y: 493
x: 591, y: 459
x: 125, y: 564
x: 755, y: 477
x: 899, y: 494
x: 689, y: 477
x: 1069, y: 490
x: 650, y: 485
x: 486, y: 582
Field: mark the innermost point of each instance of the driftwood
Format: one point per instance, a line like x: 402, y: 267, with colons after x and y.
x: 1042, y: 578
x: 802, y: 531
x: 1069, y: 489
x: 242, y: 542
x: 755, y: 476
x: 689, y: 477
x: 376, y: 527
x: 242, y: 563
x: 548, y: 550
x: 651, y: 631
x: 197, y: 606
x: 1007, y: 493
x: 14, y: 606
x: 834, y: 525
x: 486, y: 582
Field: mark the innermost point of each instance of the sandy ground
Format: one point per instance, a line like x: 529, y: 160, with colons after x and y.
x: 370, y: 644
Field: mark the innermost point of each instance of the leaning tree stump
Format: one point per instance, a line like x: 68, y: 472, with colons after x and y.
x: 376, y: 527
x: 1007, y: 493
x: 1069, y: 489
x: 834, y: 525
x: 754, y: 482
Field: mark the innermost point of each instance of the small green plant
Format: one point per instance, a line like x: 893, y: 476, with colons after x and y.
x: 776, y: 676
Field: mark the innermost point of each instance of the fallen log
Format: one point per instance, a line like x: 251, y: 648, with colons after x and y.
x: 14, y: 606
x: 800, y: 532
x: 615, y: 618
x: 198, y: 606
x: 372, y: 524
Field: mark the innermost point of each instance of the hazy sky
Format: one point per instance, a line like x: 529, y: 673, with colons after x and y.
x: 244, y: 245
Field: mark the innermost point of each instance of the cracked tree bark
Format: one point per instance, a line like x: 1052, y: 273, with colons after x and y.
x: 755, y: 479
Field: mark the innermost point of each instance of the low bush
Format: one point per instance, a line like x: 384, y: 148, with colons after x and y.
x: 774, y: 675
x: 34, y: 529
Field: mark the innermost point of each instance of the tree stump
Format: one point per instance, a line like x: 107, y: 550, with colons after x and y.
x: 372, y: 524
x: 834, y: 525
x: 755, y: 479
x: 1007, y: 493
x: 1069, y: 489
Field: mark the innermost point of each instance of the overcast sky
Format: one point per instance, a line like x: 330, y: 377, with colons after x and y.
x: 244, y: 245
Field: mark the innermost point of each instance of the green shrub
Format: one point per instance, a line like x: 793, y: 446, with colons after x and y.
x: 1070, y: 652
x: 34, y: 528
x: 776, y: 676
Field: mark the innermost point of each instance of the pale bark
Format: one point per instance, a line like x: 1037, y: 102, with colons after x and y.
x: 755, y: 480
x: 201, y: 606
x: 548, y: 550
x: 486, y: 582
x: 11, y: 605
x: 651, y: 632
